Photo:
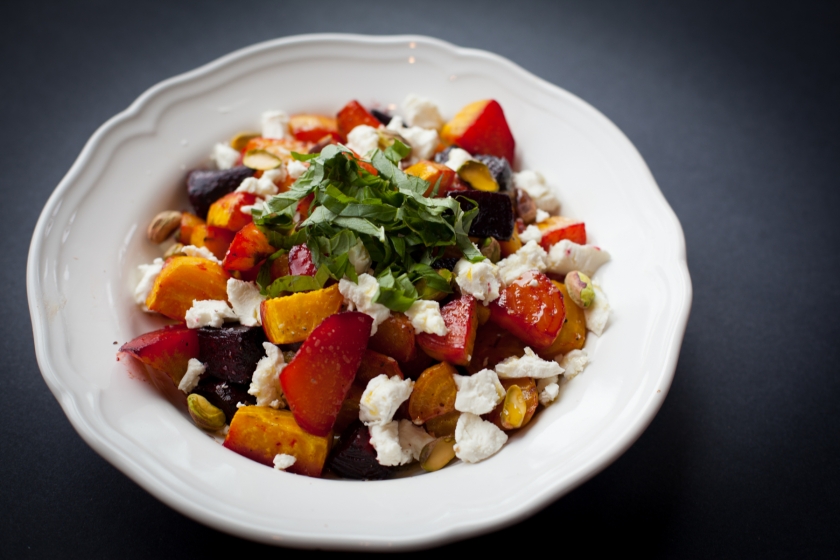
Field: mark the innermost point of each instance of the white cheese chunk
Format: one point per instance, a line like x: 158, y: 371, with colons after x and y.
x: 574, y: 363
x: 413, y: 438
x: 194, y: 371
x: 531, y: 233
x: 529, y: 365
x: 534, y: 184
x: 478, y: 393
x: 209, y: 313
x: 386, y: 440
x: 283, y: 461
x: 265, y: 383
x: 359, y: 257
x: 422, y: 141
x: 245, y: 298
x: 201, y: 252
x: 224, y: 156
x: 382, y: 397
x: 425, y: 317
x: 566, y: 256
x: 480, y: 280
x: 598, y: 313
x: 275, y: 124
x: 296, y: 168
x: 477, y: 439
x: 422, y: 112
x: 263, y: 187
x: 363, y: 139
x: 457, y: 158
x: 149, y: 272
x: 542, y: 215
x: 548, y: 389
x: 360, y: 297
x: 529, y: 257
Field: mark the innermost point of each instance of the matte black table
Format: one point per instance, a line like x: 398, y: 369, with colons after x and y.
x: 736, y: 108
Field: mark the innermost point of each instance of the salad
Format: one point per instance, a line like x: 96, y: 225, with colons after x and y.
x: 356, y: 293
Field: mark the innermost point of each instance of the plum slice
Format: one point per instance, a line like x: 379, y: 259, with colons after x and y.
x: 495, y: 213
x: 231, y: 353
x: 206, y: 186
x: 354, y: 457
x: 224, y: 395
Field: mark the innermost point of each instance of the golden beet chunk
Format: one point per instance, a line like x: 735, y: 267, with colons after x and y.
x: 433, y: 394
x: 261, y: 433
x: 184, y: 279
x: 291, y: 318
x: 395, y: 338
x: 519, y: 405
x: 572, y: 334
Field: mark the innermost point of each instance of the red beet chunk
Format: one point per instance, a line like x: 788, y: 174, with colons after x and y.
x: 300, y: 261
x: 316, y: 381
x: 495, y: 214
x: 224, y: 395
x: 456, y: 346
x: 354, y: 457
x: 168, y: 349
x: 205, y: 187
x: 231, y: 353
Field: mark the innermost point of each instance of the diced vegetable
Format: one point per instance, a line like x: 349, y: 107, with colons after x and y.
x: 481, y: 128
x: 231, y: 352
x: 205, y: 187
x: 495, y: 214
x: 432, y: 172
x: 312, y: 128
x: 395, y: 338
x: 249, y: 247
x: 353, y: 115
x: 558, y: 228
x: 456, y: 346
x: 434, y: 393
x: 227, y: 211
x: 184, y: 279
x: 531, y: 308
x: 292, y: 318
x: 216, y: 239
x: 167, y: 349
x: 573, y: 332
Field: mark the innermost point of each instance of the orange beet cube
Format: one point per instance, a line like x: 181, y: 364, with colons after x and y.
x: 395, y: 338
x: 557, y: 228
x: 533, y: 313
x: 481, y: 128
x: 261, y: 433
x: 493, y: 344
x: 375, y: 364
x: 227, y: 211
x: 312, y: 128
x: 433, y: 394
x: 317, y: 380
x: 281, y: 148
x: 510, y: 246
x: 292, y: 318
x: 184, y: 279
x: 216, y: 239
x: 573, y: 332
x: 167, y: 349
x: 351, y: 116
x: 432, y: 171
x: 249, y: 247
x: 456, y: 346
x: 188, y: 223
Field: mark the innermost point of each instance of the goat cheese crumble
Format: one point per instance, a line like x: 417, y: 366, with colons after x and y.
x: 425, y: 317
x: 245, y: 299
x: 283, y: 461
x: 224, y: 156
x: 480, y: 280
x: 598, y: 313
x: 529, y: 365
x: 150, y: 273
x: 386, y: 440
x: 566, y: 256
x: 382, y: 397
x: 478, y: 393
x: 194, y: 371
x: 422, y: 112
x: 296, y: 168
x: 423, y: 141
x: 363, y: 139
x: 533, y: 183
x: 201, y: 252
x: 275, y: 124
x: 209, y: 313
x: 477, y: 439
x: 529, y: 257
x: 360, y: 297
x: 265, y: 383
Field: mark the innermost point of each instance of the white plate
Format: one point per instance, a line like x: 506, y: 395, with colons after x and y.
x: 90, y: 238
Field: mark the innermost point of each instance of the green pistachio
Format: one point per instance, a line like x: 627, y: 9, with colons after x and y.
x: 491, y: 249
x: 580, y: 289
x: 205, y: 415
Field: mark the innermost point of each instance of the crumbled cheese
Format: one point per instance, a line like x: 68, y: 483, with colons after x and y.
x: 422, y: 112
x: 245, y: 298
x: 531, y: 233
x: 194, y: 371
x: 413, y: 438
x: 360, y: 297
x: 224, y: 156
x: 275, y: 124
x: 241, y: 404
x: 456, y: 158
x: 566, y: 256
x: 296, y: 168
x: 386, y: 440
x: 598, y: 313
x: 382, y: 397
x: 529, y: 365
x: 202, y: 252
x: 209, y: 313
x: 478, y: 393
x: 282, y: 461
x: 265, y: 383
x: 150, y: 273
x: 263, y: 187
x: 534, y: 184
x: 548, y: 389
x: 477, y: 439
x: 363, y: 139
x: 425, y: 317
x: 422, y: 141
x: 359, y: 257
x: 276, y: 175
x: 480, y: 280
x: 529, y: 257
x: 542, y: 215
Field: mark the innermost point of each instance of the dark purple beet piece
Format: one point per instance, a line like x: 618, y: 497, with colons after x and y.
x: 205, y: 187
x: 224, y: 395
x: 495, y: 213
x: 499, y: 168
x: 445, y: 262
x: 231, y: 353
x: 354, y: 457
x: 381, y: 116
x: 443, y: 156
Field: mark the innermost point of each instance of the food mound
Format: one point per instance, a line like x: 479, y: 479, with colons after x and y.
x: 357, y: 293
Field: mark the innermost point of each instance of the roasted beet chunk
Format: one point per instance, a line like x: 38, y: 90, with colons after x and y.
x: 354, y: 457
x: 499, y: 168
x: 445, y: 262
x: 443, y: 156
x: 381, y: 116
x: 205, y: 187
x: 495, y: 214
x: 231, y: 353
x: 224, y: 395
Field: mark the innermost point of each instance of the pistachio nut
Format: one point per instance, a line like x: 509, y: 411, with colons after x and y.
x: 478, y: 175
x: 580, y: 288
x: 437, y: 453
x: 205, y: 415
x: 241, y: 140
x: 174, y: 249
x: 387, y: 138
x: 526, y: 208
x: 261, y: 160
x: 491, y: 249
x: 514, y: 409
x: 163, y: 225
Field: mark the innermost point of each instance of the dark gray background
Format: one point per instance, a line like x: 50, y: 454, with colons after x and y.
x: 734, y: 106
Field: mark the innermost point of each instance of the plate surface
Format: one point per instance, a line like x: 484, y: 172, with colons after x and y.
x: 91, y: 237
